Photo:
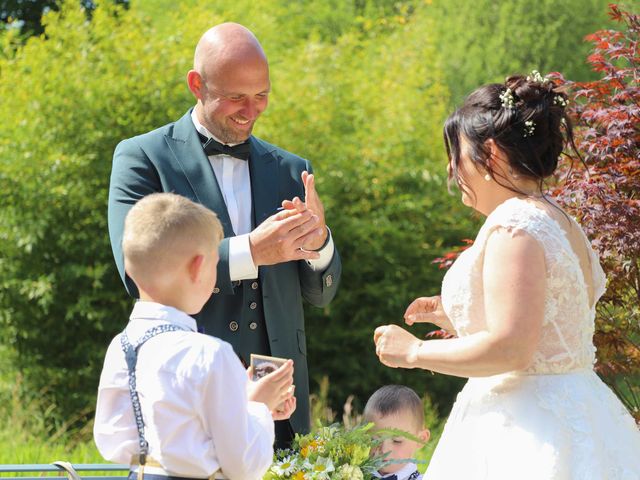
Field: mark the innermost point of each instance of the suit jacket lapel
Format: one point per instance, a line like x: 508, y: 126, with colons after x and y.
x: 187, y: 150
x: 264, y: 181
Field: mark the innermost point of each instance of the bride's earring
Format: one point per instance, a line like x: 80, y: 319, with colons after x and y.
x: 513, y: 173
x: 487, y: 177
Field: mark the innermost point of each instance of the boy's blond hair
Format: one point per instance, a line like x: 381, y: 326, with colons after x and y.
x: 164, y: 229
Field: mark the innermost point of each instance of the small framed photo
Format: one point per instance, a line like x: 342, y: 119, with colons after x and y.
x: 264, y: 365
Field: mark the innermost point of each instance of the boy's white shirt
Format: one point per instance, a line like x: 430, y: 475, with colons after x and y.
x: 193, y: 396
x: 403, y: 473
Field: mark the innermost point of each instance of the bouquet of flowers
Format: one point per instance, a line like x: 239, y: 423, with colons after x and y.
x: 330, y: 453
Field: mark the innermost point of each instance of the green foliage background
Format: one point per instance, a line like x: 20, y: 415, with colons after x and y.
x: 360, y: 87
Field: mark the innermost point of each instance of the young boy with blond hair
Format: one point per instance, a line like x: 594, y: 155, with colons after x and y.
x: 172, y: 402
x: 398, y: 407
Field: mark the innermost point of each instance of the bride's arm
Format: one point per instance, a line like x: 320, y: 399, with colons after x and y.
x: 514, y: 290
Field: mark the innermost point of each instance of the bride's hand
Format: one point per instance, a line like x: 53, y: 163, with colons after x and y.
x: 396, y: 347
x: 428, y: 310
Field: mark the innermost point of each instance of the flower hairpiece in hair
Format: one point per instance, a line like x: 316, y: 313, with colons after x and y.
x: 535, y: 76
x: 560, y: 100
x: 507, y: 99
x: 529, y: 128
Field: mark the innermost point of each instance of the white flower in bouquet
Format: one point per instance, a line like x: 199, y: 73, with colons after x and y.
x: 320, y: 469
x: 285, y: 467
x: 349, y: 472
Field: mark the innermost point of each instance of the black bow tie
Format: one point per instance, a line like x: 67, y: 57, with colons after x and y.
x: 413, y: 476
x: 211, y: 147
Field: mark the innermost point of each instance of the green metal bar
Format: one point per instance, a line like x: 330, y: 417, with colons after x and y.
x: 49, y: 468
x: 101, y: 477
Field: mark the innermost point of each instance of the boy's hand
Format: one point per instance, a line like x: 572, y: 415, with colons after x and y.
x: 286, y: 409
x: 272, y: 389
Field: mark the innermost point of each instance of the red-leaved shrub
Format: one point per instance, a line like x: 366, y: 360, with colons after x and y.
x: 603, y: 193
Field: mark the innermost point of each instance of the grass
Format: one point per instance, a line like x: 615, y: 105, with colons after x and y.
x: 24, y: 437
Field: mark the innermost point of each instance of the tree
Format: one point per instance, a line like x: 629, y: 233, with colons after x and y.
x: 28, y: 13
x: 67, y: 99
x: 483, y: 41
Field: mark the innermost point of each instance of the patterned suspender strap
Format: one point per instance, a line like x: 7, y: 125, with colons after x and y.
x: 131, y: 356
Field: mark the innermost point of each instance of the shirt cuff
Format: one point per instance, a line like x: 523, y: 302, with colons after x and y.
x: 241, y: 266
x: 326, y: 254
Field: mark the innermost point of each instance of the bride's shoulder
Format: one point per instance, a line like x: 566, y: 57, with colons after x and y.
x: 517, y: 214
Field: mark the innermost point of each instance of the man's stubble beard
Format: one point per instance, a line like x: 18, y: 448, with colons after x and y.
x: 228, y: 135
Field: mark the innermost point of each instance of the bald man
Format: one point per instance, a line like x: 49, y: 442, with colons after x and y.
x: 277, y: 247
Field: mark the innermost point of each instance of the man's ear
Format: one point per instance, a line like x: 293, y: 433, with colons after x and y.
x: 194, y: 81
x: 195, y: 267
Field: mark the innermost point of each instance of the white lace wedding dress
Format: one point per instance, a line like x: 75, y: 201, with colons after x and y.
x: 556, y: 419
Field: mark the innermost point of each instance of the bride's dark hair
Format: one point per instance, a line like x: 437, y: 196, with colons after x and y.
x: 527, y: 119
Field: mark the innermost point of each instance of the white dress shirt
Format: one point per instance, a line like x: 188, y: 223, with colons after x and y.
x: 232, y: 175
x: 405, y: 473
x: 193, y: 397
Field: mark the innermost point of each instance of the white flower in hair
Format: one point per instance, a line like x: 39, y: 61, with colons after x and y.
x: 507, y: 99
x: 560, y: 100
x: 535, y: 76
x: 529, y: 128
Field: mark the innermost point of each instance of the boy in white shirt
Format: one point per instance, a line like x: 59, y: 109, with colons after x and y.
x: 398, y: 407
x: 178, y: 403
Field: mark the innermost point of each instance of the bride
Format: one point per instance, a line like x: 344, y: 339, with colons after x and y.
x: 521, y: 301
